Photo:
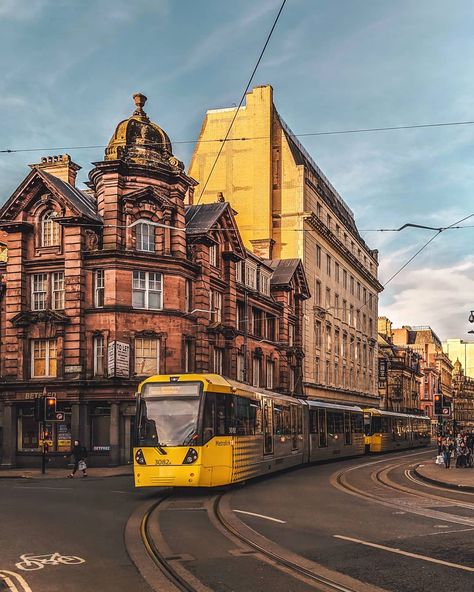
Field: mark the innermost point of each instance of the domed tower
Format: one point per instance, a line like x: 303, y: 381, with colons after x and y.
x: 140, y: 178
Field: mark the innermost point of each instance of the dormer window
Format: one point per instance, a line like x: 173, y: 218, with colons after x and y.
x: 50, y: 230
x: 213, y: 255
x: 145, y: 237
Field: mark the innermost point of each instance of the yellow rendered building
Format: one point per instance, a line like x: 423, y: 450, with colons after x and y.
x: 287, y: 208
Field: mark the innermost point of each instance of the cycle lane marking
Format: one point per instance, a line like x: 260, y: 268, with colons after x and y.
x: 32, y: 562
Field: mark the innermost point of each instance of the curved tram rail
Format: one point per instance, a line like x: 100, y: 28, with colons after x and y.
x: 311, y: 577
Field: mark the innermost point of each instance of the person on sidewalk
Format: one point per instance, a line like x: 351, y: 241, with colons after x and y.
x: 79, y: 455
x: 446, y: 452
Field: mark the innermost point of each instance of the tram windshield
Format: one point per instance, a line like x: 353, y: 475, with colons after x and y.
x: 168, y: 414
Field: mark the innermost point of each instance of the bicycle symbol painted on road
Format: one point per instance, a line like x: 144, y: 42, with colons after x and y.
x: 30, y: 562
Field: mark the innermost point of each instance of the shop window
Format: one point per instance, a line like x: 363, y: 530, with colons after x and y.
x: 50, y: 230
x: 43, y: 358
x: 30, y: 436
x: 147, y: 356
x: 100, y: 429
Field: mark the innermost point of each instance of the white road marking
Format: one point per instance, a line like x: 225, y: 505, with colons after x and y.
x: 39, y: 487
x: 406, y: 553
x: 261, y: 516
x: 441, y: 526
x: 12, y: 580
x: 445, y: 532
x: 30, y: 561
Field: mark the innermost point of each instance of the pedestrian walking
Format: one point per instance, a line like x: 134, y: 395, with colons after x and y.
x: 79, y: 455
x: 446, y: 452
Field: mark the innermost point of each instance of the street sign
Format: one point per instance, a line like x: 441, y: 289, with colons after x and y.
x: 446, y: 410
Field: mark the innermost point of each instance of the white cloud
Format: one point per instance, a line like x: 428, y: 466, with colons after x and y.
x: 440, y: 297
x: 22, y: 9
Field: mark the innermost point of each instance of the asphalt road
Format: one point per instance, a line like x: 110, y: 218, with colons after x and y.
x: 315, y: 514
x: 81, y: 517
x: 402, y: 538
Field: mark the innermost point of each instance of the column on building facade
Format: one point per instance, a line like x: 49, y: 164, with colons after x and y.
x: 114, y: 433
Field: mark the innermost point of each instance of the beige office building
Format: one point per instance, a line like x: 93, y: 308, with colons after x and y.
x: 287, y: 208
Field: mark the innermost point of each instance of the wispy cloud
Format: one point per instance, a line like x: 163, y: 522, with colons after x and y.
x: 22, y: 9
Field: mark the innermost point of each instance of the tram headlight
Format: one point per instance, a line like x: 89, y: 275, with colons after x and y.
x: 191, y: 457
x: 139, y: 457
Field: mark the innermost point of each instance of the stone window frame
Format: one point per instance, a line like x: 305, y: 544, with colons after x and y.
x: 46, y: 205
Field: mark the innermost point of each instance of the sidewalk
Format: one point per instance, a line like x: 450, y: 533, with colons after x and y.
x: 62, y: 473
x: 459, y: 479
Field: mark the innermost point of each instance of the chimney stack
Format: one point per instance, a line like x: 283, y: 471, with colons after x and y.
x: 60, y: 166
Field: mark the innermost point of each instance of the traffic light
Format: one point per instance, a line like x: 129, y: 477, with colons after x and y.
x: 438, y: 404
x: 49, y: 408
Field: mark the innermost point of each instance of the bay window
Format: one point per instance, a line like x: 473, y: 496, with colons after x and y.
x: 147, y: 290
x: 147, y: 356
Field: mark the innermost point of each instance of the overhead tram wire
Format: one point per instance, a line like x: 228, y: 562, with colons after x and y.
x: 239, y: 106
x: 227, y: 139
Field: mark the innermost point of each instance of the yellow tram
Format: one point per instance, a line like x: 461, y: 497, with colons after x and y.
x: 203, y: 430
x: 386, y: 430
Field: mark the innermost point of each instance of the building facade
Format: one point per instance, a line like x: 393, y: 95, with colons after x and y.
x: 289, y: 209
x: 463, y: 400
x: 103, y: 287
x: 458, y: 349
x: 399, y: 373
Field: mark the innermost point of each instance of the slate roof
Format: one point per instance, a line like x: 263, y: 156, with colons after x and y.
x: 201, y: 218
x: 283, y: 270
x: 79, y: 199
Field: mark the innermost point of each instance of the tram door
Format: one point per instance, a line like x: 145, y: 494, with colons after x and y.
x: 267, y: 427
x: 294, y: 428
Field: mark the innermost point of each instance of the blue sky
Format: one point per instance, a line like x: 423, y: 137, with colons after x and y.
x: 69, y: 69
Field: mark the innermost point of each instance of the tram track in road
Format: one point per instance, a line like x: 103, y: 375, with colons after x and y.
x: 408, y: 499
x: 244, y: 543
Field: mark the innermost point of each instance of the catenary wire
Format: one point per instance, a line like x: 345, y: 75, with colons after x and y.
x: 244, y: 139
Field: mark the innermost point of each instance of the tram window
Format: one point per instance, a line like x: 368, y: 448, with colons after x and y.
x: 246, y: 416
x: 282, y: 417
x: 335, y: 422
x: 294, y: 426
x: 323, y: 439
x: 225, y: 424
x: 376, y: 424
x: 209, y: 418
x: 299, y: 412
x: 313, y: 422
x: 357, y: 423
x: 347, y: 428
x: 385, y: 423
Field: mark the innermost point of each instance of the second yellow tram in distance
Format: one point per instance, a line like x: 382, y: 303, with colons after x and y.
x: 203, y: 430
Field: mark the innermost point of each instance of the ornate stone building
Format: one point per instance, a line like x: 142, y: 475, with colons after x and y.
x: 105, y: 286
x: 399, y: 373
x: 463, y: 400
x: 288, y: 208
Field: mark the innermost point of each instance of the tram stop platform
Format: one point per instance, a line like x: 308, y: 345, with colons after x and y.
x: 93, y: 472
x: 452, y: 478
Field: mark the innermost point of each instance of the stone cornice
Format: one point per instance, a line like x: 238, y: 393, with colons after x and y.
x: 318, y: 225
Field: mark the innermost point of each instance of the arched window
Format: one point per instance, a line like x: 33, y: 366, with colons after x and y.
x: 145, y: 237
x: 50, y: 231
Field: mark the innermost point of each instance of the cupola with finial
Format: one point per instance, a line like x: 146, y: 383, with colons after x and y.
x: 138, y: 140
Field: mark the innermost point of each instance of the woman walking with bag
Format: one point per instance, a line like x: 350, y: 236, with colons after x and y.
x: 79, y: 454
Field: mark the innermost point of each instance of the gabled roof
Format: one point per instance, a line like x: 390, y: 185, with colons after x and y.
x: 201, y: 218
x: 79, y: 201
x: 284, y: 270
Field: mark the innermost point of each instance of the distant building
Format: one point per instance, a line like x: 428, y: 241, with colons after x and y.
x: 289, y: 209
x: 463, y: 399
x: 458, y: 349
x: 106, y: 286
x: 399, y: 373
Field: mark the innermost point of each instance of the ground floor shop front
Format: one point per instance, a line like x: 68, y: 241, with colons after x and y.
x: 105, y: 426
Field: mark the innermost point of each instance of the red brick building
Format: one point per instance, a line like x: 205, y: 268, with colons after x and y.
x: 100, y: 288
